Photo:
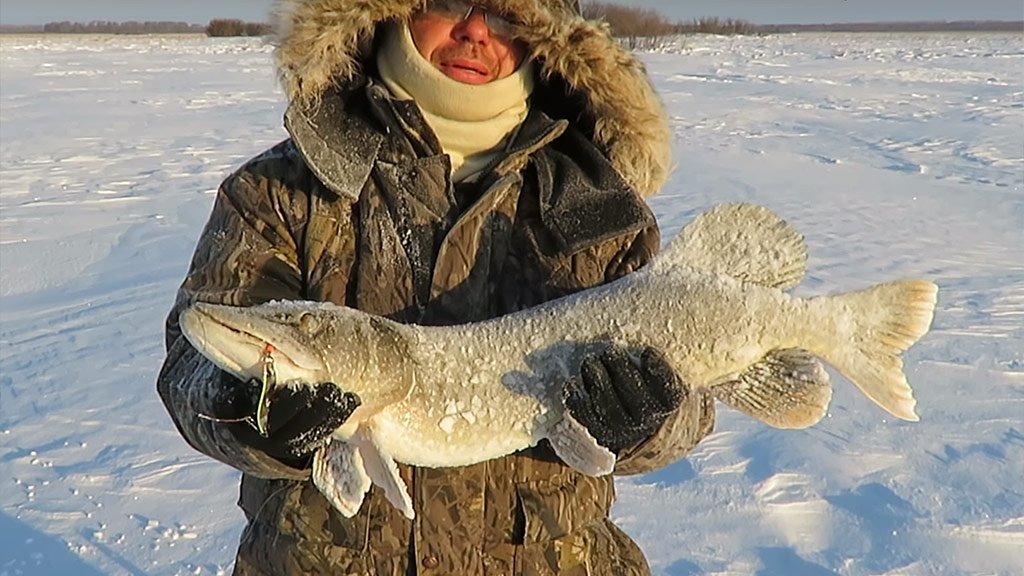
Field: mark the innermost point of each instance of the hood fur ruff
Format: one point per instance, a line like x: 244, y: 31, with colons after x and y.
x: 320, y: 43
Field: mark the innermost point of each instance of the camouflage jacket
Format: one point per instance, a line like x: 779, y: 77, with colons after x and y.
x: 382, y: 229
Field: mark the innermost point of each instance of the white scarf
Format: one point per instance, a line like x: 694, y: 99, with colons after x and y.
x: 471, y: 121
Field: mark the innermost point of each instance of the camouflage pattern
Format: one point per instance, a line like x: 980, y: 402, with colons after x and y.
x: 357, y: 208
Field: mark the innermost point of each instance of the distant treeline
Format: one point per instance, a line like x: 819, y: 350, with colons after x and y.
x: 131, y: 27
x: 712, y: 25
x: 630, y: 23
x: 635, y: 25
x: 955, y: 26
x: 218, y: 27
x: 229, y: 27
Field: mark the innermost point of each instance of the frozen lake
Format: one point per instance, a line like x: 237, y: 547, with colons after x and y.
x: 895, y: 155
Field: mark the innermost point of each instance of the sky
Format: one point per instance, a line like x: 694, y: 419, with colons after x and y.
x: 775, y: 12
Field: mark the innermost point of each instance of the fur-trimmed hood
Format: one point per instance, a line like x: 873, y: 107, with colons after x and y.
x: 583, y: 71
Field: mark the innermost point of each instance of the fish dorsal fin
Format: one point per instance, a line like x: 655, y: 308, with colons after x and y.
x: 383, y: 471
x: 745, y: 241
x: 578, y: 449
x: 786, y: 389
x: 339, y: 475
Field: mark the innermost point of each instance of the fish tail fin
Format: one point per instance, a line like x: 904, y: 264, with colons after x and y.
x: 887, y: 319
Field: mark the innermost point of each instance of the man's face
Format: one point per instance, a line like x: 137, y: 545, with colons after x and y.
x: 469, y: 49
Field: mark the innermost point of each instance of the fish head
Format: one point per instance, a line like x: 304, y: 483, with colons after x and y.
x: 308, y: 342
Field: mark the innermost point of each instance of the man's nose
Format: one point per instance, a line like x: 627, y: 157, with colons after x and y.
x: 474, y: 28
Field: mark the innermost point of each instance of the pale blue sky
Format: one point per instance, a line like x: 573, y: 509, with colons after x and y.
x: 758, y: 11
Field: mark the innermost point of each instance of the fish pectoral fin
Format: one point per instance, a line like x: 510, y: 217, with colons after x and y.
x: 745, y: 241
x: 578, y: 449
x: 788, y: 388
x: 383, y: 471
x: 339, y: 474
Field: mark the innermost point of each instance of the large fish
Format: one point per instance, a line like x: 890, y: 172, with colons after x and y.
x: 712, y: 303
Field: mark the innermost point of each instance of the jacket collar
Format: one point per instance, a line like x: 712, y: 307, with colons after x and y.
x: 583, y: 200
x: 340, y: 136
x: 338, y: 142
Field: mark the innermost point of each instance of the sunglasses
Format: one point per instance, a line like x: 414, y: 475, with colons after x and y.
x: 458, y: 11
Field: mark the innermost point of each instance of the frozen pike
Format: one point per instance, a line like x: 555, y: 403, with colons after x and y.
x: 713, y: 302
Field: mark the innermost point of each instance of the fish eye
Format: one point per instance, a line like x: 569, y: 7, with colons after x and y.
x: 308, y: 323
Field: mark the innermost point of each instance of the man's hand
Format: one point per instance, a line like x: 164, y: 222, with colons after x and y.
x: 620, y: 402
x: 300, y: 418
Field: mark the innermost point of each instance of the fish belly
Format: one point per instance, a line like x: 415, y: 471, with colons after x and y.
x: 464, y: 418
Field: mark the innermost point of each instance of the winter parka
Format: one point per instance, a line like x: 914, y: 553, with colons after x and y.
x: 357, y: 207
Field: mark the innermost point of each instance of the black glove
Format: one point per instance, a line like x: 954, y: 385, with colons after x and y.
x: 299, y: 419
x: 619, y: 402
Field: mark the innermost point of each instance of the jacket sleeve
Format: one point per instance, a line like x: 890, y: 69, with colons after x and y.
x: 684, y: 429
x: 247, y: 254
x: 695, y: 417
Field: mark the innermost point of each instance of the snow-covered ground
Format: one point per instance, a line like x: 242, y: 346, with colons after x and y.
x: 896, y: 155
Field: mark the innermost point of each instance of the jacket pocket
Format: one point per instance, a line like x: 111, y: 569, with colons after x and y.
x: 597, y: 549
x: 552, y: 509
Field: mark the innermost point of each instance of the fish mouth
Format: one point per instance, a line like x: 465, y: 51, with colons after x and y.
x: 238, y: 341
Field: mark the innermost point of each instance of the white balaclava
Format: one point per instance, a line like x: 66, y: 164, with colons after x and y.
x: 472, y: 121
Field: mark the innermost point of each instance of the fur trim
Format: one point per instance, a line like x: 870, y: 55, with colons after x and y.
x: 320, y: 43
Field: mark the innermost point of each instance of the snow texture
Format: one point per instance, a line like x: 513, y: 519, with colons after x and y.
x: 895, y: 156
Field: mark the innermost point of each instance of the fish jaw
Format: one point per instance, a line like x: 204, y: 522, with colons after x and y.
x: 238, y: 342
x: 310, y: 343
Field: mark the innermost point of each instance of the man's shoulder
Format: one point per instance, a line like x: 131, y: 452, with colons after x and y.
x: 284, y: 152
x: 283, y: 161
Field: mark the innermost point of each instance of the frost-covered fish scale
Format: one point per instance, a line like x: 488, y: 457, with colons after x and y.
x: 712, y: 303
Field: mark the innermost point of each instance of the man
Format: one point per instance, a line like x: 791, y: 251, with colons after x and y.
x: 446, y: 163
